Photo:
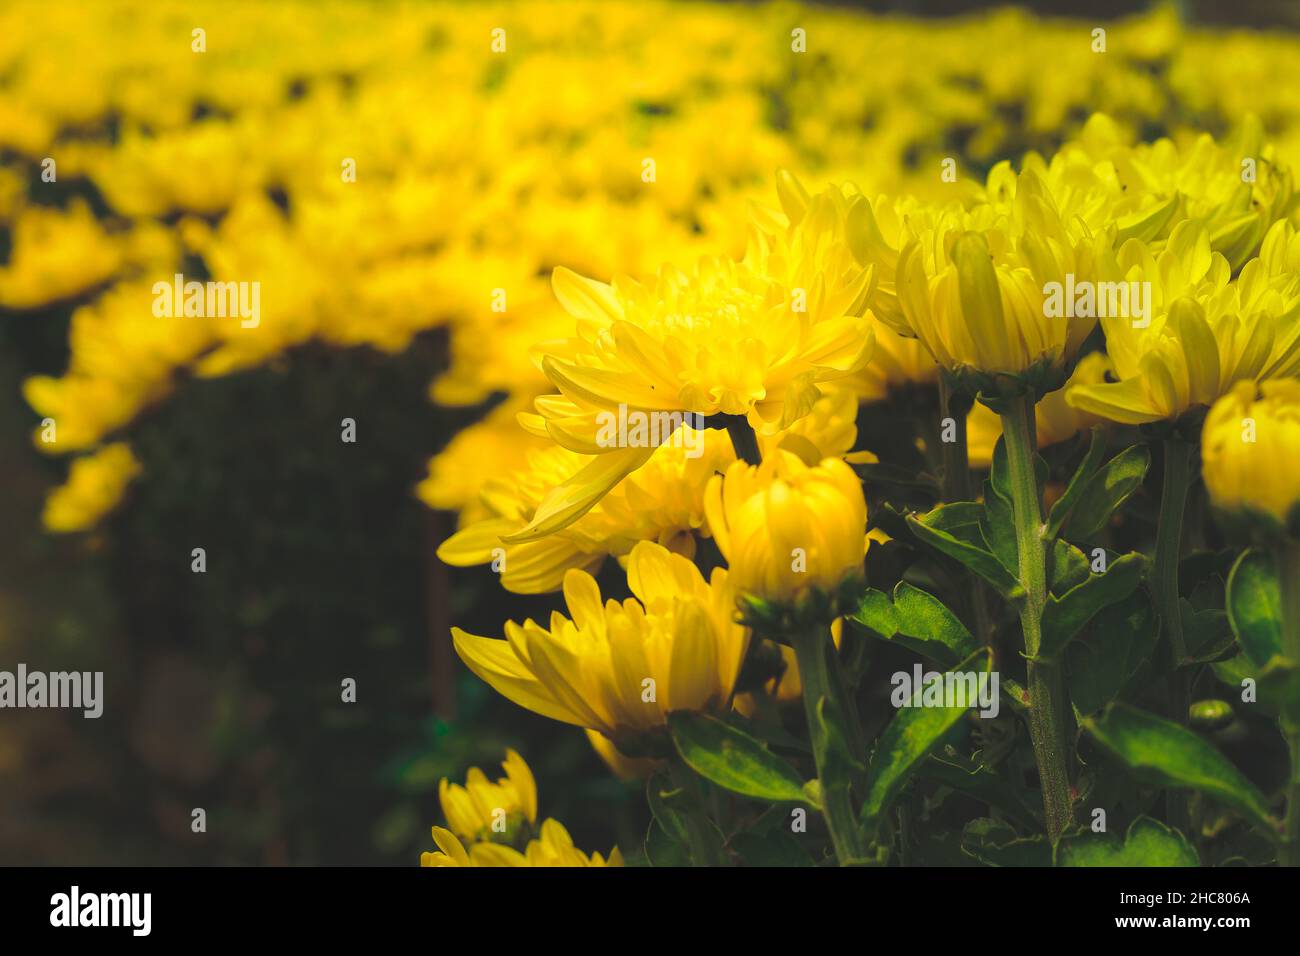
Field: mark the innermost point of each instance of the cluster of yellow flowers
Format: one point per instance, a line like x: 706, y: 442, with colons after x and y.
x: 1182, y: 254
x: 294, y: 149
x: 495, y: 818
x: 715, y: 398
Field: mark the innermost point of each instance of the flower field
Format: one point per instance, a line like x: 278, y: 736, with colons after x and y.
x: 784, y: 435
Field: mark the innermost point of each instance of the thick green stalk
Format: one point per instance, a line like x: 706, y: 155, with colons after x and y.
x: 818, y: 670
x: 1169, y: 538
x: 1046, y: 697
x: 1288, y: 569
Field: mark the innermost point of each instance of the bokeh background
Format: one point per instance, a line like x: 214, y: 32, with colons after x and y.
x: 475, y: 170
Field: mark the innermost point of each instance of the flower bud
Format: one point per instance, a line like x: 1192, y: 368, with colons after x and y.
x: 786, y: 528
x: 1250, y: 441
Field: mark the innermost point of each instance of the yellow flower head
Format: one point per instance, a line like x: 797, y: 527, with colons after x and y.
x: 786, y: 527
x: 1251, y: 437
x: 455, y: 480
x: 554, y: 847
x: 57, y: 255
x: 973, y: 285
x: 95, y: 485
x: 753, y: 338
x: 621, y: 668
x: 483, y: 810
x: 1236, y: 190
x: 1203, y: 330
x: 829, y: 429
x: 662, y: 501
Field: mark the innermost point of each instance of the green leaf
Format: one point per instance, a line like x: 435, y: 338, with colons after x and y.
x: 666, y: 804
x: 1066, y: 616
x: 1069, y: 567
x: 916, y: 620
x: 1104, y: 493
x: 1207, y: 633
x: 1234, y: 670
x: 881, y: 473
x: 1171, y: 755
x: 733, y: 759
x: 986, y: 786
x: 1087, y: 468
x: 838, y: 762
x: 662, y: 849
x: 671, y: 806
x: 1277, y: 683
x: 905, y: 743
x: 778, y: 848
x: 1279, y: 688
x: 998, y: 528
x: 1255, y: 606
x: 954, y: 530
x: 994, y: 843
x: 1000, y: 471
x: 1101, y: 664
x: 1147, y: 843
x: 1015, y: 695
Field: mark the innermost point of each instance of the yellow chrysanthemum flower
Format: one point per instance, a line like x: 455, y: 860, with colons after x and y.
x: 971, y: 286
x: 496, y: 818
x: 455, y: 480
x: 786, y: 527
x: 1236, y: 190
x: 57, y: 255
x: 482, y: 809
x: 968, y: 278
x: 661, y: 501
x: 1250, y: 440
x: 95, y: 485
x: 1205, y: 330
x: 554, y: 847
x: 621, y: 668
x: 829, y: 430
x: 752, y: 338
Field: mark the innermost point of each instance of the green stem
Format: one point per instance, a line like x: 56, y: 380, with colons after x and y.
x: 743, y: 439
x: 956, y: 459
x: 904, y: 834
x: 704, y: 851
x: 957, y: 487
x: 1169, y: 538
x: 818, y: 670
x: 1046, y: 696
x: 1288, y: 567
